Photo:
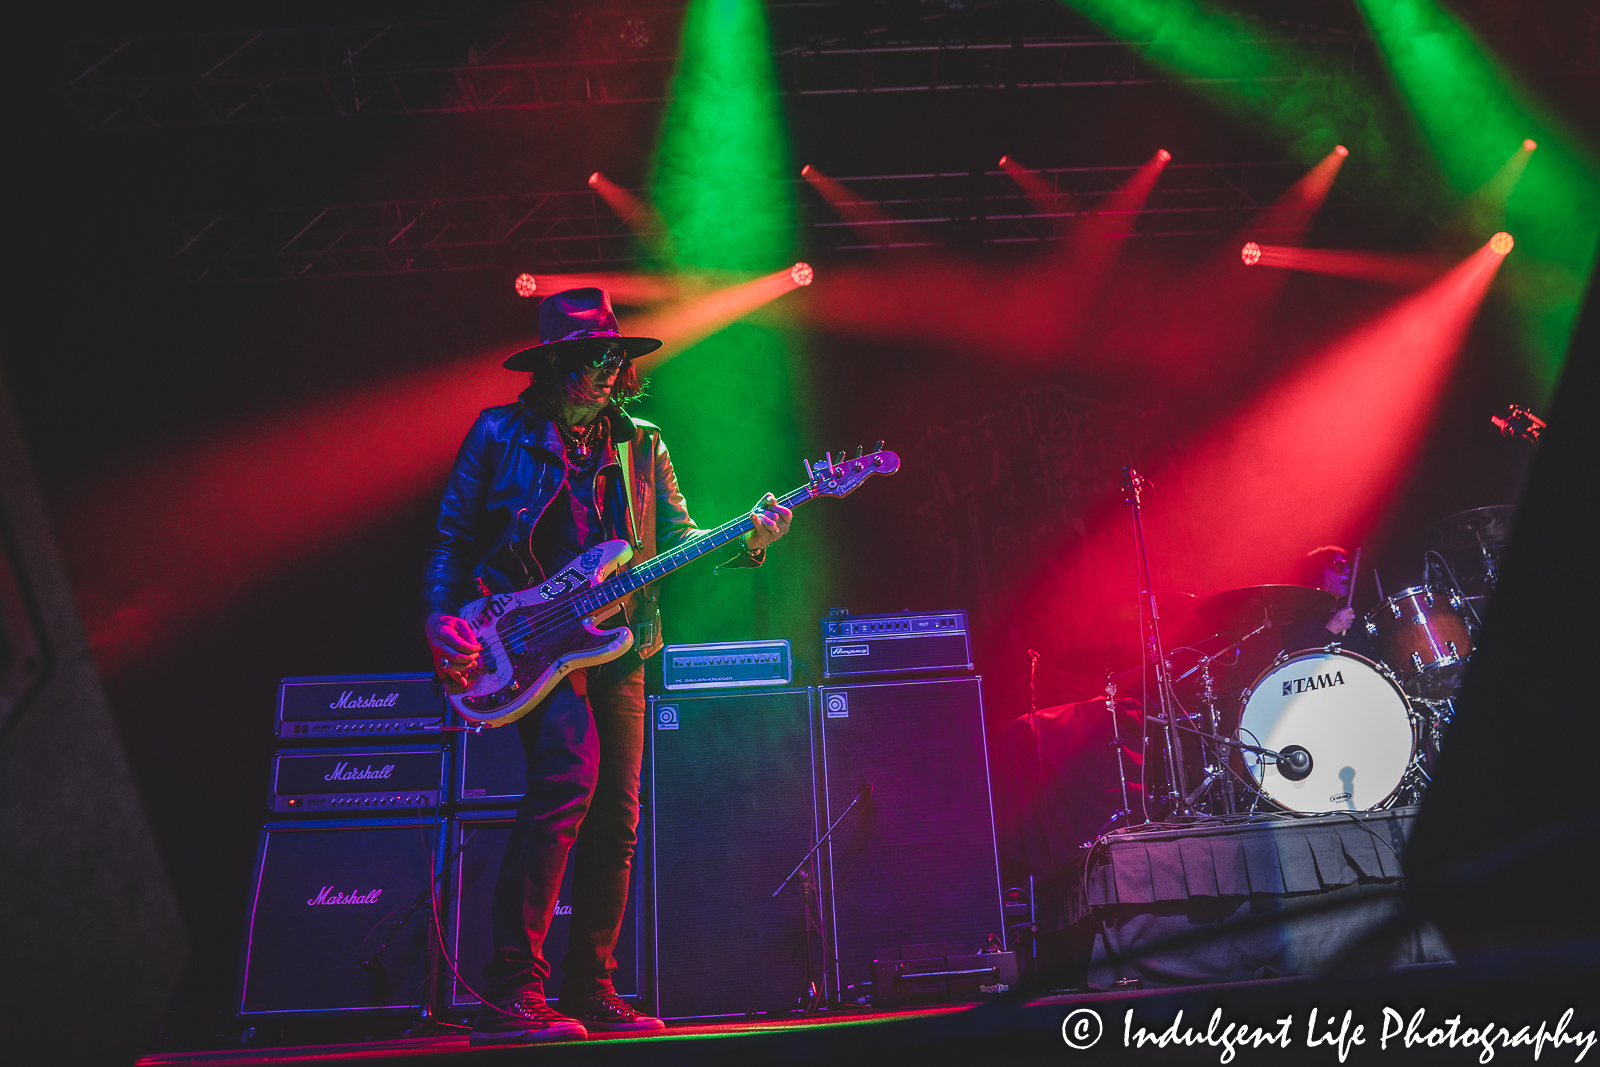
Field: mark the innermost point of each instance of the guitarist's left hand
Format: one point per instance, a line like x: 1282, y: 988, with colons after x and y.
x: 772, y: 521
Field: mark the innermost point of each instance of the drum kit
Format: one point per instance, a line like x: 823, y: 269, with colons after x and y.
x: 1320, y: 729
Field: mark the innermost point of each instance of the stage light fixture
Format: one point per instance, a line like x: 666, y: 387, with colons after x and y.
x: 1004, y: 160
x: 805, y: 171
x: 594, y: 179
x: 801, y: 273
x: 1530, y: 144
x: 1340, y: 150
x: 525, y: 284
x: 1501, y: 243
x: 1163, y: 155
x: 1250, y: 253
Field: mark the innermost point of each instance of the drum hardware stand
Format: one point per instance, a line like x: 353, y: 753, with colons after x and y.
x: 1122, y: 771
x: 1489, y: 578
x: 1176, y: 787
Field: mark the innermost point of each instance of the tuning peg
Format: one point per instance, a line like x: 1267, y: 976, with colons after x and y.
x: 829, y: 456
x: 810, y: 474
x: 878, y: 447
x: 860, y: 451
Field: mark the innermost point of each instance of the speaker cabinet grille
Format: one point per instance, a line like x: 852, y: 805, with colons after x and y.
x: 326, y: 897
x: 471, y: 942
x: 733, y: 810
x: 915, y: 865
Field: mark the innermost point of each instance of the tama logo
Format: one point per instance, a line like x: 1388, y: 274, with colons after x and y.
x: 326, y: 895
x: 998, y: 987
x: 343, y: 772
x: 348, y: 699
x: 1313, y: 681
x: 850, y: 650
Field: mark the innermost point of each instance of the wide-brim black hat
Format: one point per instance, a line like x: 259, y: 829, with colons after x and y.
x: 576, y: 319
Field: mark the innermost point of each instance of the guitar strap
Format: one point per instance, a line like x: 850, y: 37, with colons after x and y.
x: 644, y: 615
x: 625, y: 453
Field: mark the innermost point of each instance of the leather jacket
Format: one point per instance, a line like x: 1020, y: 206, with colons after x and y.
x: 510, y: 467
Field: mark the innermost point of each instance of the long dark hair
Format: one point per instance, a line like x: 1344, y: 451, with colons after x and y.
x: 559, y: 380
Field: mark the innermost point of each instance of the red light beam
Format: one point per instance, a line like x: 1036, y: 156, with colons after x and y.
x: 877, y: 226
x: 1392, y: 268
x: 683, y: 326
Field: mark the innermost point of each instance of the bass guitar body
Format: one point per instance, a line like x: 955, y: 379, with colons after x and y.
x: 535, y: 637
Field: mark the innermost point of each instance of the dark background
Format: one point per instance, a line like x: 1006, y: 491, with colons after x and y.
x: 112, y: 355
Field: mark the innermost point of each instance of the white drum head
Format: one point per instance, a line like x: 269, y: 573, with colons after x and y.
x: 1347, y: 714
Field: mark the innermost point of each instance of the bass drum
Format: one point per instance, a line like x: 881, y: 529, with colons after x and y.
x: 1347, y: 713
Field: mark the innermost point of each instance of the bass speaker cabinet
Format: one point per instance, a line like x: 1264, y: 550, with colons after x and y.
x: 491, y: 769
x: 732, y: 806
x: 916, y: 864
x: 485, y: 834
x: 332, y: 926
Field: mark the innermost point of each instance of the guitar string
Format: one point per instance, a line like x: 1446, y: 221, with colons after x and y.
x: 539, y: 623
x: 565, y: 612
x: 615, y: 588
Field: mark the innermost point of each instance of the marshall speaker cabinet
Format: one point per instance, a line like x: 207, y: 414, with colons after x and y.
x: 916, y: 864
x: 359, y: 707
x: 358, y: 780
x: 335, y: 923
x: 472, y: 878
x: 732, y: 811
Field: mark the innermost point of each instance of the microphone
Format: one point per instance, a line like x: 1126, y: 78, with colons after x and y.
x: 1294, y: 763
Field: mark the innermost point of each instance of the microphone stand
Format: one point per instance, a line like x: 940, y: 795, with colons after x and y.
x: 1177, y: 787
x: 814, y: 996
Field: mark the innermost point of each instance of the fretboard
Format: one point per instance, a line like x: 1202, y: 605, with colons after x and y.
x: 619, y: 586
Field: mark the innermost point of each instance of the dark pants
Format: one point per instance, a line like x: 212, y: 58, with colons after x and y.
x: 583, y: 793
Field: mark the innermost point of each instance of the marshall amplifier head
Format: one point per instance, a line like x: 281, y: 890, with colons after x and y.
x: 358, y: 780
x: 359, y: 706
x: 857, y: 646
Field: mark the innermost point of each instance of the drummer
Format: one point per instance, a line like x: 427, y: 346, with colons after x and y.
x: 1328, y: 568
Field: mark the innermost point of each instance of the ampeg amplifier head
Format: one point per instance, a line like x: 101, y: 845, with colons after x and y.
x: 352, y: 706
x: 857, y: 646
x: 357, y: 780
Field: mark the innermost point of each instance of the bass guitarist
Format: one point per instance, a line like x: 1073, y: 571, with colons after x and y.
x: 535, y: 484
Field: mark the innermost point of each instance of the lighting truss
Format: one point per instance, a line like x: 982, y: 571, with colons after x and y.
x: 571, y: 230
x: 152, y: 81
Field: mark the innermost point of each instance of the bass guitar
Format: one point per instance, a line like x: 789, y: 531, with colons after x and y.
x: 535, y: 637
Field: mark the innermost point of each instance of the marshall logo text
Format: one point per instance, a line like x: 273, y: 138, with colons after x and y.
x: 348, y: 699
x: 326, y: 895
x: 343, y: 772
x: 1310, y: 682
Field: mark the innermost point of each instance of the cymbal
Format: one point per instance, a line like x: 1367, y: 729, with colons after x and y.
x: 1282, y: 603
x: 1099, y: 659
x: 1468, y: 529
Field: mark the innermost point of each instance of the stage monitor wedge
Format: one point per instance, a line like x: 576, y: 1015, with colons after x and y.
x: 915, y: 865
x: 732, y: 806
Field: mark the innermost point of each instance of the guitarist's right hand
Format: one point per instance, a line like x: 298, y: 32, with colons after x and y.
x: 454, y: 644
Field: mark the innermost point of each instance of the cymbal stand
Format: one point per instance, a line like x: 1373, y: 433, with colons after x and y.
x: 1177, y: 789
x: 1122, y: 768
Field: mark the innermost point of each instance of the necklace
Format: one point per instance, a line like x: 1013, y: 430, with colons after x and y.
x: 580, y: 439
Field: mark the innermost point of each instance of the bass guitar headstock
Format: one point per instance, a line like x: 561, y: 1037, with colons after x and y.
x: 839, y: 476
